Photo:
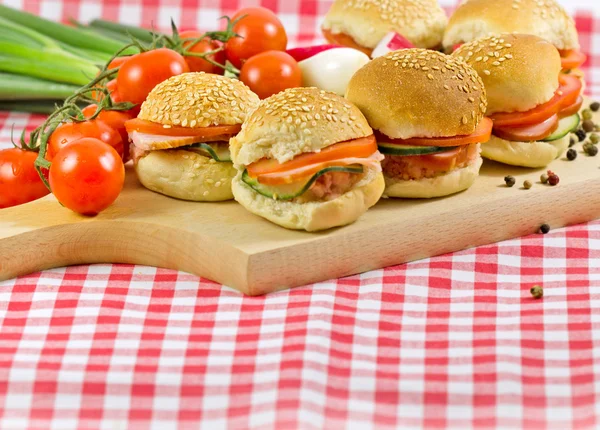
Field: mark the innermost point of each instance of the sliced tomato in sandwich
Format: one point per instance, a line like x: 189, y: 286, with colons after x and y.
x: 482, y: 134
x: 572, y: 59
x: 344, y: 40
x: 356, y: 151
x: 567, y: 94
x: 528, y: 133
x: 572, y: 109
x: 149, y: 127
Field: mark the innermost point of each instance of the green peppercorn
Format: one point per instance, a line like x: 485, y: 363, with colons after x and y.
x: 588, y: 126
x: 510, y: 181
x: 537, y: 292
x: 587, y: 114
x: 595, y: 106
x: 527, y: 185
x: 591, y: 150
x: 571, y: 154
x: 544, y: 228
x: 544, y: 178
x: 553, y: 179
x: 594, y: 138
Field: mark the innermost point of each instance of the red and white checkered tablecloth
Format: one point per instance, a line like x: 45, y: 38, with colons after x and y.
x: 454, y: 341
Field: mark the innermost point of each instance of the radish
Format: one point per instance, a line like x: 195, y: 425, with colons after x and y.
x: 391, y: 42
x: 305, y: 52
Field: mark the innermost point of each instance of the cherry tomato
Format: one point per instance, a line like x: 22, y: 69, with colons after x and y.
x: 114, y: 119
x: 67, y: 133
x: 19, y: 181
x: 260, y: 30
x: 111, y: 86
x: 87, y: 176
x: 197, y: 64
x: 142, y: 72
x: 117, y: 62
x: 271, y: 72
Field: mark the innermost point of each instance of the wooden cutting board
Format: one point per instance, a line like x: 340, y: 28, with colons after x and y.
x: 225, y: 243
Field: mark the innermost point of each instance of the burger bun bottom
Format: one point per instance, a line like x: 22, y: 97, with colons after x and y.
x: 313, y: 216
x: 186, y: 175
x: 443, y: 185
x: 525, y: 154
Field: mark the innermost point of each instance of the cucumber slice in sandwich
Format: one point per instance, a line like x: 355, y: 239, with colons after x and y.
x: 291, y: 191
x: 216, y: 151
x: 391, y: 149
x: 565, y: 126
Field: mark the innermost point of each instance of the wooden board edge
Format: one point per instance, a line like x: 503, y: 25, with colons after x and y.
x: 118, y: 241
x: 383, y: 246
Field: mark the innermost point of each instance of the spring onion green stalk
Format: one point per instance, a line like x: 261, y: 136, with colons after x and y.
x: 32, y: 106
x: 70, y: 35
x: 137, y: 32
x: 94, y: 56
x: 51, y: 70
x: 18, y: 87
x: 101, y: 31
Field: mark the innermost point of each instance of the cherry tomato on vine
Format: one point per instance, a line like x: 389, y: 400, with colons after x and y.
x: 197, y: 64
x: 260, y: 30
x: 115, y: 119
x: 271, y: 72
x: 142, y: 72
x: 87, y: 176
x: 19, y: 181
x: 67, y: 133
x: 117, y: 62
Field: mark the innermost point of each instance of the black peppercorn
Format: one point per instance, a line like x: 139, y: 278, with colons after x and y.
x: 510, y: 181
x: 595, y: 106
x: 571, y: 154
x: 580, y: 133
x: 544, y: 228
x: 572, y: 141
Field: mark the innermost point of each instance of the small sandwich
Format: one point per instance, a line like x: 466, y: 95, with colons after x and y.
x: 475, y: 19
x: 307, y: 160
x: 361, y: 24
x: 180, y: 139
x: 427, y: 110
x: 532, y: 105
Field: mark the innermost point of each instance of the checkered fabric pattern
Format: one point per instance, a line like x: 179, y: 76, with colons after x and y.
x: 454, y: 341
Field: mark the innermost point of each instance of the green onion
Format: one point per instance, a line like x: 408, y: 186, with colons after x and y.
x: 51, y: 70
x: 94, y: 56
x: 37, y: 106
x: 73, y: 36
x: 137, y: 32
x: 18, y: 87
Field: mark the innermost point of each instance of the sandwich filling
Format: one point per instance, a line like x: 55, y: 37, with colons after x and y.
x: 315, y: 176
x: 344, y: 39
x: 428, y: 157
x: 549, y: 121
x: 211, y: 142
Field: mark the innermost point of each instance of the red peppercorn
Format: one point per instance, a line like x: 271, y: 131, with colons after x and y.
x: 553, y: 179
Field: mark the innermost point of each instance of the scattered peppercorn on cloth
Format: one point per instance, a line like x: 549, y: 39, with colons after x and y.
x: 456, y: 341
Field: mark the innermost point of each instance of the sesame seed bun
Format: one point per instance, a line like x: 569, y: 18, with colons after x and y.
x: 313, y: 216
x: 192, y: 100
x: 525, y: 154
x: 294, y: 121
x: 453, y: 182
x: 519, y: 71
x: 199, y: 100
x: 419, y: 93
x: 368, y: 21
x: 480, y: 18
x: 186, y: 175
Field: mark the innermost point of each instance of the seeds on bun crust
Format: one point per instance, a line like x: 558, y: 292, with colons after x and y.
x: 368, y: 21
x: 199, y: 100
x: 419, y: 93
x: 480, y: 18
x: 519, y: 71
x: 294, y: 121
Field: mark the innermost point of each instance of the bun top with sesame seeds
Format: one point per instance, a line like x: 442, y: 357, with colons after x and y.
x: 368, y: 21
x: 199, y: 100
x: 519, y: 71
x: 419, y: 93
x: 543, y: 18
x: 295, y: 121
